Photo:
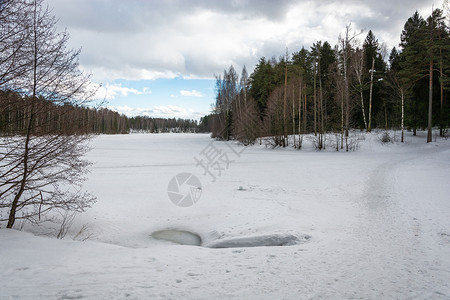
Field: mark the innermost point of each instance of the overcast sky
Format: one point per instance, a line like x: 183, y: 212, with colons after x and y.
x: 159, y: 57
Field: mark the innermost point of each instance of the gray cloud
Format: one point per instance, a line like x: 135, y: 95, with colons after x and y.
x: 138, y: 39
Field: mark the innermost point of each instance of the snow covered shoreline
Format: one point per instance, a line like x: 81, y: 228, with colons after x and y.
x: 377, y: 222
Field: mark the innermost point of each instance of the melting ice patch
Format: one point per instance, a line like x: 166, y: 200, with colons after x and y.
x: 181, y: 237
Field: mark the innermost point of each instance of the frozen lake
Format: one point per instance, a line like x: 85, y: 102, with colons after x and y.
x: 265, y: 224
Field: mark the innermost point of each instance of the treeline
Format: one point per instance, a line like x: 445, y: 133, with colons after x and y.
x: 157, y: 125
x: 333, y: 89
x: 66, y: 118
x: 49, y: 117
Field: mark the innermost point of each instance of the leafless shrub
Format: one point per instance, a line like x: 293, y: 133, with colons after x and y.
x: 386, y: 138
x: 83, y: 234
x: 66, y: 222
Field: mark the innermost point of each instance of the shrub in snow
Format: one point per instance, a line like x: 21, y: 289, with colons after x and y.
x: 385, y: 138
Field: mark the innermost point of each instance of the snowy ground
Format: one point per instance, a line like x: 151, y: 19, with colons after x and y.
x: 370, y: 224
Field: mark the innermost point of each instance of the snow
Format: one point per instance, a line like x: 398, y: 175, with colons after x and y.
x: 274, y: 224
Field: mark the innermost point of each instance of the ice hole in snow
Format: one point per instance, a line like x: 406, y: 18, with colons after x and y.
x: 188, y: 238
x: 178, y: 236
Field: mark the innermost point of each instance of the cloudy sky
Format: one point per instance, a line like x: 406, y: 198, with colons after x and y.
x: 159, y: 57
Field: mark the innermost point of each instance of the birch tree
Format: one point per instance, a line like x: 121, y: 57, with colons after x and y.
x: 358, y: 69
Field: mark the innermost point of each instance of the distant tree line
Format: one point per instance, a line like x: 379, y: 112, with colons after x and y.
x: 50, y: 117
x: 160, y: 125
x: 69, y: 119
x: 333, y: 89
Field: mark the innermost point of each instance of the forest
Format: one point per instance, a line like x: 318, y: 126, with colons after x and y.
x: 75, y: 119
x: 333, y: 89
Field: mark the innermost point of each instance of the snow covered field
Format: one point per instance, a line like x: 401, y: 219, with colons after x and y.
x: 370, y: 224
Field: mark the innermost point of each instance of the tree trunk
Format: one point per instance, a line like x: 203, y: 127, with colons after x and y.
x: 320, y: 98
x: 342, y: 120
x: 315, y: 100
x: 15, y: 202
x: 385, y: 117
x: 322, y: 130
x: 285, y: 104
x: 362, y: 106
x: 347, y: 106
x: 293, y: 112
x: 369, y: 128
x: 430, y: 104
x: 441, y: 117
x: 415, y: 118
x: 300, y: 110
x: 305, y: 111
x: 403, y: 112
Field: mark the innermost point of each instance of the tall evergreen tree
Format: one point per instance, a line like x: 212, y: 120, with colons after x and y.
x: 413, y: 68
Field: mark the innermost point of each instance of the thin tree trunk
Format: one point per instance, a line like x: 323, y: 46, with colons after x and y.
x: 300, y: 110
x: 342, y: 120
x: 346, y: 93
x: 15, y: 202
x: 403, y: 113
x: 305, y: 113
x: 322, y: 130
x: 315, y: 101
x: 347, y: 108
x: 430, y: 93
x: 415, y: 118
x: 285, y: 104
x: 362, y: 105
x: 359, y: 71
x: 385, y: 117
x: 369, y: 128
x: 293, y: 112
x: 430, y: 104
x: 441, y: 121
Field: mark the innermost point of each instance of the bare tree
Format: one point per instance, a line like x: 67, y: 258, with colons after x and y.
x: 401, y: 92
x: 300, y: 100
x: 43, y: 168
x: 285, y: 126
x: 274, y: 120
x: 247, y: 124
x: 339, y: 100
x: 358, y: 68
x: 345, y: 49
x: 227, y: 100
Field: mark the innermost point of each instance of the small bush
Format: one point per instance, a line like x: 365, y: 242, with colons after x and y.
x: 385, y: 138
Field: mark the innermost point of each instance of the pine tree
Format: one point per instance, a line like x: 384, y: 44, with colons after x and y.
x: 412, y: 67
